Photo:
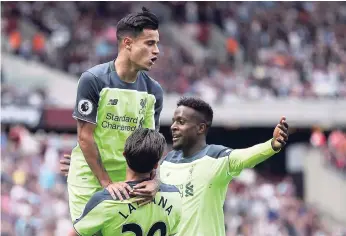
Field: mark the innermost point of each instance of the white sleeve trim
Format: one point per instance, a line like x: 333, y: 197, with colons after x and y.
x: 77, y: 118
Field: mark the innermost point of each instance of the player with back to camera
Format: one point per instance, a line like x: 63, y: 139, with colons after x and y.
x: 102, y: 214
x: 113, y: 99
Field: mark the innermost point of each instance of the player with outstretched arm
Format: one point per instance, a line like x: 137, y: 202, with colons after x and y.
x: 202, y: 172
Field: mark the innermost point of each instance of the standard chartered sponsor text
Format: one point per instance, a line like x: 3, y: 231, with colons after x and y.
x: 112, y: 120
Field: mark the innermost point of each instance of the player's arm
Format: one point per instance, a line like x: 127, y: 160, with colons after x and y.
x: 229, y: 163
x: 250, y: 157
x: 147, y: 190
x: 91, y: 152
x: 85, y: 113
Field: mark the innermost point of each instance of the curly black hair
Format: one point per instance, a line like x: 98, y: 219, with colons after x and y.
x: 200, y: 106
x: 134, y: 23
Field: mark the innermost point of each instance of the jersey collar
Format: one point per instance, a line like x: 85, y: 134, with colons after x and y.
x: 133, y: 183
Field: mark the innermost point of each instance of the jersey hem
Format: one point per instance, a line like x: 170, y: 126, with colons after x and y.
x: 76, y: 231
x: 79, y: 185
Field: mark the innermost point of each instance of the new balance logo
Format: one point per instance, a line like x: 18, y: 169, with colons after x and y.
x: 189, y: 190
x: 112, y: 102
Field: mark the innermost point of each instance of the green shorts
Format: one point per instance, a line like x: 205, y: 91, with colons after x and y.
x: 78, y: 197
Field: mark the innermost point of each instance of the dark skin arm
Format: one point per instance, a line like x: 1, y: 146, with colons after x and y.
x: 280, y: 135
x: 65, y: 164
x: 147, y: 190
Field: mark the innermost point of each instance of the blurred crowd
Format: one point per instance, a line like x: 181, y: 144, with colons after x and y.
x: 275, y: 49
x: 259, y: 206
x: 21, y: 96
x: 33, y: 193
x: 333, y: 147
x: 294, y: 49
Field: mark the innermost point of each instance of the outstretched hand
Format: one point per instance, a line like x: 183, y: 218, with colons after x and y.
x: 280, y: 135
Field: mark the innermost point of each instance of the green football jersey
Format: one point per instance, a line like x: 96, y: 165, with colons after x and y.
x: 104, y: 216
x: 117, y: 108
x: 203, y: 179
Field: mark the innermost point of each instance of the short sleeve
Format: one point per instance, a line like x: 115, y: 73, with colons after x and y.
x: 220, y: 167
x: 233, y: 162
x: 87, y: 99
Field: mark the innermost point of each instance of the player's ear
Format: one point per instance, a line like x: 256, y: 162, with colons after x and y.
x: 202, y: 128
x: 156, y: 165
x: 128, y: 43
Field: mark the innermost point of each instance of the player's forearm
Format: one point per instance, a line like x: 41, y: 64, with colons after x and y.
x: 250, y: 157
x: 93, y: 158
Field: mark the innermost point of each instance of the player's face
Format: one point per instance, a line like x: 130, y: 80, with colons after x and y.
x: 144, y: 49
x: 184, y: 128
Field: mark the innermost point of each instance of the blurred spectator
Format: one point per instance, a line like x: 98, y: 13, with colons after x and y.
x: 38, y: 46
x: 15, y: 40
x: 269, y: 207
x: 334, y: 147
x: 30, y: 179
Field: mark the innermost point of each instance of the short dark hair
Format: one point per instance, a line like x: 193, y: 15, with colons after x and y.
x: 133, y: 24
x: 200, y: 106
x: 143, y: 149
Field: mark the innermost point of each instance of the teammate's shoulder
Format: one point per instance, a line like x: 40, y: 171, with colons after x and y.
x: 167, y: 188
x: 172, y: 156
x: 100, y: 196
x: 151, y: 83
x: 217, y: 151
x: 95, y: 200
x: 100, y: 69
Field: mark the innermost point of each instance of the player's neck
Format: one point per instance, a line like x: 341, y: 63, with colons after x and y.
x: 193, y: 149
x: 125, y: 69
x: 133, y: 176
